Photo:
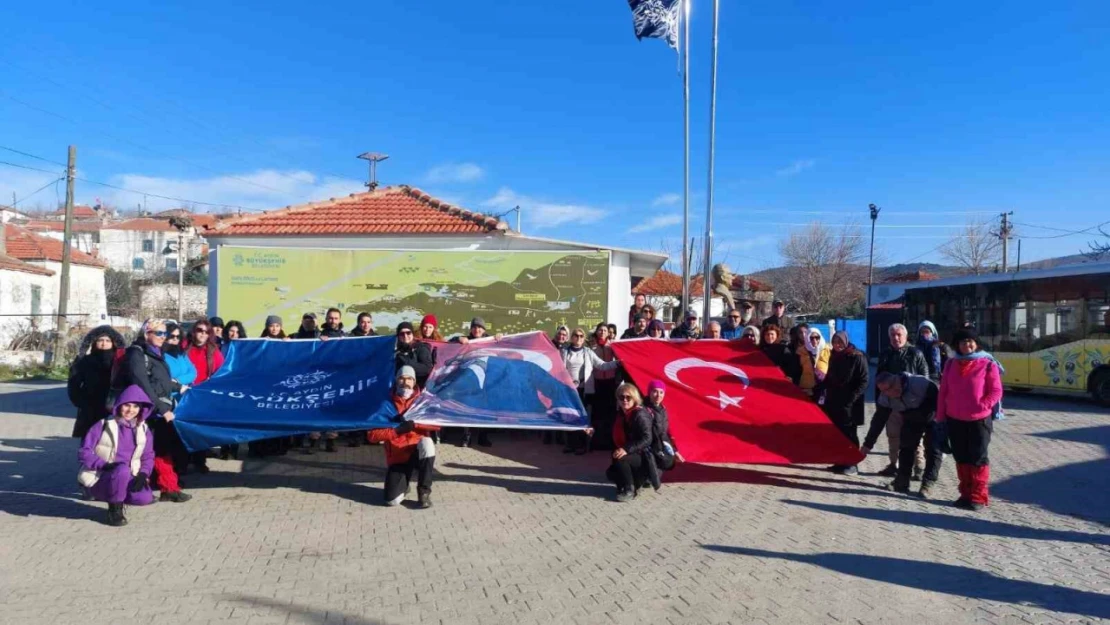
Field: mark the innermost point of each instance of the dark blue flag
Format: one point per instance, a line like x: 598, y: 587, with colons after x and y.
x: 657, y: 19
x: 268, y: 389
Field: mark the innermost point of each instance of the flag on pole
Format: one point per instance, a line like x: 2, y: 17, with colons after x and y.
x: 656, y: 19
x: 517, y: 382
x: 728, y: 403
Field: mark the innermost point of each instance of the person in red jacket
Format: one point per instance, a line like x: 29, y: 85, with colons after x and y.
x: 408, y: 447
x: 205, y: 354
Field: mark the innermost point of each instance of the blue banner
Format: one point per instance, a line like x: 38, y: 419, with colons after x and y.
x: 268, y: 389
x: 517, y: 382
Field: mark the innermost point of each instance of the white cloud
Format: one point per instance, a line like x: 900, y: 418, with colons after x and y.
x: 795, y: 168
x: 667, y: 199
x: 454, y: 172
x: 24, y: 182
x: 656, y: 223
x: 543, y: 214
x: 262, y: 189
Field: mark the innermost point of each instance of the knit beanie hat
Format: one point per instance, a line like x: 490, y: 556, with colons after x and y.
x: 272, y: 319
x: 964, y: 334
x: 216, y: 321
x: 429, y: 320
x: 404, y: 325
x: 406, y: 372
x: 656, y: 384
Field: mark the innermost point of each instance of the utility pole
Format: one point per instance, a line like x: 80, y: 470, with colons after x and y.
x: 871, y: 257
x: 61, y: 328
x: 374, y: 158
x: 1004, y: 234
x: 180, y: 273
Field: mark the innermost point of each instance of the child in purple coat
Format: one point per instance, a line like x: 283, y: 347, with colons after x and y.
x: 117, y: 456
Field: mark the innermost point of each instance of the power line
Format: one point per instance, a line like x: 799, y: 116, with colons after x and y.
x: 164, y: 197
x: 1066, y: 233
x: 32, y: 194
x: 3, y: 147
x: 28, y: 167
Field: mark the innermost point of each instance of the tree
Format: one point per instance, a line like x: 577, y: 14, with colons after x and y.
x: 1099, y: 248
x: 977, y: 248
x: 825, y: 269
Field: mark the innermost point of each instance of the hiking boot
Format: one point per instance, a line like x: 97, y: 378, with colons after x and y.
x: 465, y: 442
x: 849, y: 470
x: 329, y: 445
x: 834, y: 468
x: 926, y: 489
x: 203, y: 469
x: 624, y: 496
x: 962, y: 503
x: 225, y: 453
x: 424, y: 498
x: 309, y: 447
x: 483, y: 440
x: 975, y: 506
x: 917, y: 473
x: 898, y: 486
x: 176, y: 497
x: 115, y: 515
x: 890, y: 471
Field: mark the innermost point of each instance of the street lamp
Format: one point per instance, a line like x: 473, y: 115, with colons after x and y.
x: 871, y: 258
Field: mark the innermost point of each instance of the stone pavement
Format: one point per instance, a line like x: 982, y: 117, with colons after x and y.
x: 523, y: 534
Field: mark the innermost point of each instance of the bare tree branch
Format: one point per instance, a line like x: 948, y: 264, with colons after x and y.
x: 825, y: 269
x: 1099, y: 248
x: 976, y: 247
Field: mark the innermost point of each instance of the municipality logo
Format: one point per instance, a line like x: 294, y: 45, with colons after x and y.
x: 237, y: 260
x: 304, y: 379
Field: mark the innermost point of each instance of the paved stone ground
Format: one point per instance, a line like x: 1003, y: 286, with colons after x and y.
x: 522, y: 534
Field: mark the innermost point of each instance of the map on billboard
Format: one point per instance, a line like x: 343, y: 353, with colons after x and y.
x: 517, y: 291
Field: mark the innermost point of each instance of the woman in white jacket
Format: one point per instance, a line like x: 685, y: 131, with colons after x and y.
x: 581, y: 363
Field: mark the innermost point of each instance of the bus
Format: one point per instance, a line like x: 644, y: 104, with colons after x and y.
x: 1050, y: 328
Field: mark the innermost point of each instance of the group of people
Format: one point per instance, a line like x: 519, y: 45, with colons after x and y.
x: 126, y: 396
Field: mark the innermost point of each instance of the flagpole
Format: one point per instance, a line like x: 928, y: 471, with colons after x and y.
x: 685, y: 156
x: 707, y: 260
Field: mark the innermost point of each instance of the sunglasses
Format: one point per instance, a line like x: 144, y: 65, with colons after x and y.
x: 159, y: 333
x: 578, y: 335
x: 200, y: 331
x: 626, y: 398
x: 173, y: 337
x: 406, y: 333
x: 815, y: 338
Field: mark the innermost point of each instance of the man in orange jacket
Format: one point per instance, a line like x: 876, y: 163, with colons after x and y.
x: 407, y: 446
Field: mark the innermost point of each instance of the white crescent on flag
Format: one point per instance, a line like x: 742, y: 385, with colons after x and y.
x: 723, y: 399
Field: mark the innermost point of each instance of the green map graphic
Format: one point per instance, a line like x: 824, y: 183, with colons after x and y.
x: 512, y: 291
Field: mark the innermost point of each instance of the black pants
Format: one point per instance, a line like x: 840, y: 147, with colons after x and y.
x: 398, y: 476
x: 909, y: 437
x: 604, y: 412
x: 626, y: 472
x: 970, y: 440
x: 849, y: 430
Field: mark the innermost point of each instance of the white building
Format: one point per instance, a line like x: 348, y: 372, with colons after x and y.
x: 23, y: 289
x: 84, y: 235
x: 148, y: 245
x: 8, y: 213
x: 404, y: 218
x: 37, y: 297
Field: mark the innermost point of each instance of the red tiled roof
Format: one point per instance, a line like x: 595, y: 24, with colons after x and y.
x: 142, y: 224
x: 80, y: 211
x: 665, y: 283
x: 47, y: 225
x: 7, y: 263
x: 913, y: 276
x: 26, y: 245
x: 392, y: 210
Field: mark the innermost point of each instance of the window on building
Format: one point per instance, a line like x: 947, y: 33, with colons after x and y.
x: 36, y: 301
x: 148, y: 245
x: 171, y: 264
x: 138, y: 263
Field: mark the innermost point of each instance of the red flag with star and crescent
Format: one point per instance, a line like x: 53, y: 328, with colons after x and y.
x: 728, y: 403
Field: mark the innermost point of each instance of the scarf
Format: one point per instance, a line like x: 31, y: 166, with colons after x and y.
x: 962, y: 359
x: 602, y: 342
x: 815, y: 349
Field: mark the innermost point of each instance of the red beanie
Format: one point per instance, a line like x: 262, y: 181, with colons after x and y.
x: 429, y: 319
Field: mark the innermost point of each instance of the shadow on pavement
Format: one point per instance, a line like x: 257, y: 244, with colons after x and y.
x: 944, y: 578
x: 302, y: 613
x: 545, y: 470
x: 49, y: 401
x: 40, y: 479
x: 1080, y: 489
x: 952, y: 522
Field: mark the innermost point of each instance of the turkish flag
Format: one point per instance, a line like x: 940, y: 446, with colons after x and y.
x: 728, y: 403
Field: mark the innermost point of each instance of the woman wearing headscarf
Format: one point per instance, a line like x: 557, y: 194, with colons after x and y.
x: 90, y: 377
x: 970, y: 399
x: 928, y: 343
x: 145, y: 366
x: 562, y: 337
x: 845, y: 390
x: 117, y: 456
x: 817, y: 355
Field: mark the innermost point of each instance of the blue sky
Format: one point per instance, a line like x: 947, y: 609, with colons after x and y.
x: 941, y: 114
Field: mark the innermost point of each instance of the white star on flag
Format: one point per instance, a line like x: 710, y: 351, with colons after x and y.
x: 725, y: 400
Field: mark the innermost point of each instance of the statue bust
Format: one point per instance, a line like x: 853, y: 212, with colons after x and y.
x: 722, y: 284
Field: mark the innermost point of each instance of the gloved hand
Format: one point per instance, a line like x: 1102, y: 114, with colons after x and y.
x: 111, y: 466
x: 405, y: 427
x: 138, y: 483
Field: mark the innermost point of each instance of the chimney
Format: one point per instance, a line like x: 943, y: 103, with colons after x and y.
x: 3, y: 239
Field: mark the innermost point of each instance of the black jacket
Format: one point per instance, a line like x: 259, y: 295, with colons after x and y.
x: 418, y: 356
x: 301, y: 333
x: 782, y: 322
x: 90, y: 380
x: 632, y: 334
x: 332, y: 333
x: 638, y: 439
x: 924, y: 409
x: 149, y: 371
x: 784, y: 359
x: 846, y: 386
x: 660, y: 428
x: 358, y: 332
x: 906, y: 360
x: 682, y: 332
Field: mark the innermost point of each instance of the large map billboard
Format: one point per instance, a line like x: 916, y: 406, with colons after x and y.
x: 517, y: 291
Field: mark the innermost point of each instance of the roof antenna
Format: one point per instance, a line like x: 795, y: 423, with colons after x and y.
x: 374, y: 158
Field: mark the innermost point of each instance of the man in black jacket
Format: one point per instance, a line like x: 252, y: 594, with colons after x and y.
x: 689, y: 328
x: 364, y: 325
x: 778, y: 318
x: 333, y: 325
x: 845, y: 388
x: 900, y: 357
x: 308, y: 329
x: 638, y: 329
x: 914, y: 397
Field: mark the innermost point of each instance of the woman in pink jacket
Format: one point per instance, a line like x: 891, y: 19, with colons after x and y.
x: 970, y: 393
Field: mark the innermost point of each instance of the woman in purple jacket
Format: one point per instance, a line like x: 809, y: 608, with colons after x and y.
x: 117, y: 456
